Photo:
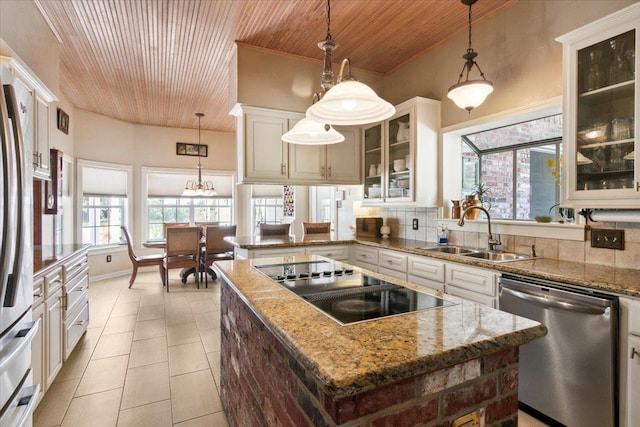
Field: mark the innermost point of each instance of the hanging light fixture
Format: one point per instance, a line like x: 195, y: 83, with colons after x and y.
x: 199, y: 189
x: 469, y: 94
x: 348, y: 102
x: 311, y: 132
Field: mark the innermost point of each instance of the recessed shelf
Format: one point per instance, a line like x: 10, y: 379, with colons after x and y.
x: 608, y: 92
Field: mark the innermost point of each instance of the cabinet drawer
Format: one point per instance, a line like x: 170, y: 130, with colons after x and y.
x: 38, y: 291
x: 365, y: 265
x: 266, y: 253
x: 470, y: 295
x: 365, y: 255
x: 426, y: 268
x: 431, y: 284
x: 473, y: 279
x: 393, y: 273
x: 75, y: 290
x: 392, y: 261
x: 75, y: 326
x: 74, y: 265
x: 333, y: 252
x: 52, y: 282
x: 634, y: 318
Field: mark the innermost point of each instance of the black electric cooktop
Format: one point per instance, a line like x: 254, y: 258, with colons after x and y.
x: 345, y: 295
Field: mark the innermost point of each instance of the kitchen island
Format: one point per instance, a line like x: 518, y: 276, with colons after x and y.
x: 286, y: 363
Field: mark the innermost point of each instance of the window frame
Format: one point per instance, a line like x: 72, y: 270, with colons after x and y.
x: 127, y: 218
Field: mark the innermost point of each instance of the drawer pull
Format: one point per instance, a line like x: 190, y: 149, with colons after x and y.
x: 634, y: 352
x: 80, y: 290
x: 37, y: 294
x: 81, y: 322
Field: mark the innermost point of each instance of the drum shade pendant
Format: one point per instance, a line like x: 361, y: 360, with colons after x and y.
x: 469, y: 94
x: 348, y: 102
x: 199, y: 189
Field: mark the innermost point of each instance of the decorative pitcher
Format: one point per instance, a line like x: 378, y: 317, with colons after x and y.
x: 403, y: 131
x: 471, y: 200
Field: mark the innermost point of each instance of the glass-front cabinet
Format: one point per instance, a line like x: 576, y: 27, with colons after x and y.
x: 601, y: 106
x: 394, y: 148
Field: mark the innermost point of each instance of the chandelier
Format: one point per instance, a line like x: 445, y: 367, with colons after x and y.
x: 348, y: 102
x: 469, y: 94
x: 199, y: 189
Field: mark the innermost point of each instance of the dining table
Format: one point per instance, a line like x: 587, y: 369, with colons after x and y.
x: 185, y: 272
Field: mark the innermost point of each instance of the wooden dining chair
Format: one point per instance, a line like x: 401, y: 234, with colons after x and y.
x: 316, y: 228
x: 274, y: 229
x: 216, y: 248
x: 183, y: 251
x: 141, y: 261
x: 174, y: 224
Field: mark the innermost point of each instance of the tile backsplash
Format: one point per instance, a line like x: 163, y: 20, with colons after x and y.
x: 401, y: 221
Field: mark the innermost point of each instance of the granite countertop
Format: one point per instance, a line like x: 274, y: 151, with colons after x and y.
x: 47, y: 256
x: 361, y: 356
x: 257, y: 242
x: 623, y: 281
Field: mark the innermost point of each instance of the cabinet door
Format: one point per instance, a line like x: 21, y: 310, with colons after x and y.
x: 38, y: 352
x: 633, y: 381
x: 473, y: 296
x: 473, y: 279
x: 265, y: 153
x: 41, y: 140
x: 399, y: 183
x: 600, y: 105
x: 343, y: 159
x: 55, y: 330
x: 25, y: 98
x: 307, y: 163
x: 392, y: 260
x: 373, y: 137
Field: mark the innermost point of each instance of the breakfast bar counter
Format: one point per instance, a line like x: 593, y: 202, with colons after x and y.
x: 284, y: 362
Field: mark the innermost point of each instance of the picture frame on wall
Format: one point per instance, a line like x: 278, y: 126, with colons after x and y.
x: 186, y: 149
x: 63, y: 121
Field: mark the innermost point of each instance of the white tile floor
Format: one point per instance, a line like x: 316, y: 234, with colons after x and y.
x: 150, y: 358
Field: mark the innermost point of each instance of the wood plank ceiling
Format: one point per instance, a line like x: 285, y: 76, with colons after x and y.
x: 157, y: 62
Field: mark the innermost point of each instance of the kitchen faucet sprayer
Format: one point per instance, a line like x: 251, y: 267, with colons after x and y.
x: 491, y: 241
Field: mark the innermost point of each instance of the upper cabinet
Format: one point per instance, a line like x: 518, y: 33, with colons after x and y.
x: 33, y: 98
x: 264, y: 158
x: 400, y: 156
x: 601, y: 94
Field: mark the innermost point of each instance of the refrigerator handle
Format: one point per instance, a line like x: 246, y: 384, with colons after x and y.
x: 557, y: 303
x: 11, y: 291
x: 7, y: 203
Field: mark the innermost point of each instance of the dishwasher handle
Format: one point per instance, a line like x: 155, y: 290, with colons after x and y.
x: 550, y: 301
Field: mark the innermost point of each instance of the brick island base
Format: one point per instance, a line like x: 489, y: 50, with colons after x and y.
x: 264, y: 385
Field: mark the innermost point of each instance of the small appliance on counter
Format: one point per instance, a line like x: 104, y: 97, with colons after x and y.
x: 368, y: 227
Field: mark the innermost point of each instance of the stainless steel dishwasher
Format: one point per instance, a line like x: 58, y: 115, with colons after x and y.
x: 570, y: 375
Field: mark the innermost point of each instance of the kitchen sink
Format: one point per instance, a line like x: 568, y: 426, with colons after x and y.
x: 454, y: 250
x: 497, y: 256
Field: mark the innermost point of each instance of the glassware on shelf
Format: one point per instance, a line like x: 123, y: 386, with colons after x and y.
x: 630, y: 56
x: 595, y: 75
x: 618, y: 69
x: 621, y: 128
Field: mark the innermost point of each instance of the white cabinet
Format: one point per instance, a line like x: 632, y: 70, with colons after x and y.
x: 629, y: 362
x: 263, y: 157
x: 395, y: 148
x: 54, y: 313
x: 472, y: 283
x: 600, y: 134
x: 33, y: 104
x: 364, y: 257
x: 337, y: 252
x: 392, y: 263
x: 38, y: 351
x: 424, y: 271
x: 327, y: 164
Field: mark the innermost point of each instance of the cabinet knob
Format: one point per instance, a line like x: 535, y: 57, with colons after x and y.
x: 329, y: 171
x: 634, y: 352
x: 637, y: 185
x: 322, y: 171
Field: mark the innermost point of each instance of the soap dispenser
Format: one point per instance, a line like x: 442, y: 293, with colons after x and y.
x: 442, y: 235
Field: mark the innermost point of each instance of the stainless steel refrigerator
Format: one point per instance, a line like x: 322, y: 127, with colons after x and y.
x: 17, y: 393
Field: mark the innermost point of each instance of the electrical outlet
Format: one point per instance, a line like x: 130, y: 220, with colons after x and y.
x: 608, y: 239
x: 415, y: 223
x: 338, y: 204
x: 108, y: 258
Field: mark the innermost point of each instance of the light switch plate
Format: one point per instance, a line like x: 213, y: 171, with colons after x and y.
x: 415, y: 223
x: 608, y: 239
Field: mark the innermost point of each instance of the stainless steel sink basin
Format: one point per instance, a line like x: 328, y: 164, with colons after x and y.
x: 454, y: 250
x: 497, y: 256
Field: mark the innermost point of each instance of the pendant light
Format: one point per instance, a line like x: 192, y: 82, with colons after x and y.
x: 199, y: 189
x: 469, y: 94
x: 348, y: 102
x: 311, y: 132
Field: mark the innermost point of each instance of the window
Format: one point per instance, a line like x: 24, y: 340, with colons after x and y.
x: 517, y: 164
x: 164, y: 202
x: 267, y: 203
x: 104, y: 191
x: 102, y: 217
x: 161, y: 210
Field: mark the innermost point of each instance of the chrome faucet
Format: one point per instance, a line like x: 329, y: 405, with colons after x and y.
x: 491, y: 241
